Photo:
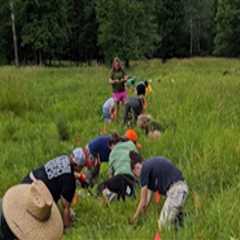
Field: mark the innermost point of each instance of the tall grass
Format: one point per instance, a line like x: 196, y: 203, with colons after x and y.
x: 47, y: 111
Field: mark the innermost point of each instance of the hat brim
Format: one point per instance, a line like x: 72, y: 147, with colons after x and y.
x: 23, y: 224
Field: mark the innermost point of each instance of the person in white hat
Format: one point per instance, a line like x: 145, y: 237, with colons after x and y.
x: 59, y: 175
x: 28, y: 212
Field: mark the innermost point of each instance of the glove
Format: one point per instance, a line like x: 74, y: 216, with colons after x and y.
x: 83, y: 180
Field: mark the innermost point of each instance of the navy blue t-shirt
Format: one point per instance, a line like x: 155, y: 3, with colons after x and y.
x: 158, y: 174
x: 100, y: 146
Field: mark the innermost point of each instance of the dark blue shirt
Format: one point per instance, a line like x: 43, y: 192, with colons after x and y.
x: 158, y: 174
x: 100, y: 146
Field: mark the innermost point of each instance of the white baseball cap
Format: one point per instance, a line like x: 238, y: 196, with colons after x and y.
x: 79, y: 156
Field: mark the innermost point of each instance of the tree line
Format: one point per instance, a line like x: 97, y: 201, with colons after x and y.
x: 46, y: 31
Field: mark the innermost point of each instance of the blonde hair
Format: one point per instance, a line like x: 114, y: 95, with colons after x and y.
x: 144, y: 120
x: 117, y: 60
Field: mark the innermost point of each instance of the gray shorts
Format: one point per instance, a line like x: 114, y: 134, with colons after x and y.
x: 175, y: 200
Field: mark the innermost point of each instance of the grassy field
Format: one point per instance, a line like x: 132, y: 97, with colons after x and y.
x: 41, y: 106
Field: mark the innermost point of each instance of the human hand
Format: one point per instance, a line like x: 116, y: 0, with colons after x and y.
x: 132, y: 221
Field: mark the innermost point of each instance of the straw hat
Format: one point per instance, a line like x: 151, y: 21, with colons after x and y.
x: 31, y: 213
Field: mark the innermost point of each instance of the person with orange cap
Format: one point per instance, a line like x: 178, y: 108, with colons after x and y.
x: 122, y: 181
x: 132, y: 135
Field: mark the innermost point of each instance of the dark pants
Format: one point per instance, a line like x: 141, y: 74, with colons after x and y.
x: 133, y: 108
x: 122, y: 184
x: 27, y: 180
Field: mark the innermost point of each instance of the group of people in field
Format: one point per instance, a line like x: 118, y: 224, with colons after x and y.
x: 40, y: 207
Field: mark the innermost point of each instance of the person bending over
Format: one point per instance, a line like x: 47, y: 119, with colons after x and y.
x: 159, y: 174
x: 121, y: 182
x: 59, y: 175
x: 135, y: 106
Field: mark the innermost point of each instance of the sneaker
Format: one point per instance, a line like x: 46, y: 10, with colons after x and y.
x: 108, y: 195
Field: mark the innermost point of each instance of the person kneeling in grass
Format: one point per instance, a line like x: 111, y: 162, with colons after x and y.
x: 99, y: 150
x: 59, y: 175
x: 109, y: 111
x: 122, y: 181
x: 135, y: 106
x: 151, y: 128
x: 159, y: 174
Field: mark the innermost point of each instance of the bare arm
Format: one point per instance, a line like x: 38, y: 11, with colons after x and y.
x: 67, y: 218
x: 112, y: 81
x: 142, y: 205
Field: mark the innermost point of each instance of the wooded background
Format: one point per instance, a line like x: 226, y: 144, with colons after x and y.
x: 50, y: 31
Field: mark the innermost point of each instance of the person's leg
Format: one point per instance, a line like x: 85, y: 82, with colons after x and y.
x: 117, y: 110
x: 108, y: 195
x: 119, y: 186
x: 176, y: 197
x: 111, y: 188
x: 122, y: 98
x: 127, y: 186
x: 115, y: 97
x: 127, y: 110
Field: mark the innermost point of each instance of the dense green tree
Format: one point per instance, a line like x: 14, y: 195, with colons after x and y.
x: 227, y: 41
x: 171, y: 23
x: 6, y: 34
x: 126, y: 29
x: 45, y: 28
x: 85, y: 30
x: 83, y: 40
x: 200, y: 25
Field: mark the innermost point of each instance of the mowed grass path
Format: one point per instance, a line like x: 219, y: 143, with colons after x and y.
x: 199, y: 100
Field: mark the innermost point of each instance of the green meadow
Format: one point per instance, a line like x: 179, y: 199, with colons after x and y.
x: 45, y: 112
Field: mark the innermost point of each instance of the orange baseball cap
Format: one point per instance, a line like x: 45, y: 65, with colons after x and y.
x: 131, y: 134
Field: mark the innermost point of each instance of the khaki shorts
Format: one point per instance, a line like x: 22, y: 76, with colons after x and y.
x: 176, y: 197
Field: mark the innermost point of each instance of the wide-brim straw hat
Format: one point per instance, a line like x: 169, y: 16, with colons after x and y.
x: 31, y: 213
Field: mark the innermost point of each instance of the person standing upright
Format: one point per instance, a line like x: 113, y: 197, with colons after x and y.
x: 117, y: 79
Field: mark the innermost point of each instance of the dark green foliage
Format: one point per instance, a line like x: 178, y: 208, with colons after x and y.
x: 45, y: 27
x: 228, y: 28
x: 170, y: 18
x: 200, y: 26
x: 126, y: 29
x: 49, y: 31
x: 83, y: 39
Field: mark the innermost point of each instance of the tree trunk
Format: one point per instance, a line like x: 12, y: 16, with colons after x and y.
x: 40, y: 57
x: 16, y: 60
x: 199, y: 36
x: 127, y: 63
x: 191, y: 36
